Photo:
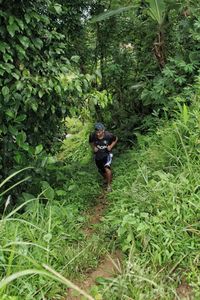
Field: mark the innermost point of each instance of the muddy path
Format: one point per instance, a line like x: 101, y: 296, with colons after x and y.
x: 110, y: 265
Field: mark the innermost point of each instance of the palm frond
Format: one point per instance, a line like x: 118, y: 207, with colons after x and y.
x: 111, y: 13
x: 157, y: 10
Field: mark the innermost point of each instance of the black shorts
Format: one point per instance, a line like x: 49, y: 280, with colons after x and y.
x: 104, y: 163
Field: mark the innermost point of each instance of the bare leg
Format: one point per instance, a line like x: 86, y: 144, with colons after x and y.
x: 108, y: 175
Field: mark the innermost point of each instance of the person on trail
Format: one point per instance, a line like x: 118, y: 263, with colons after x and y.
x: 102, y: 143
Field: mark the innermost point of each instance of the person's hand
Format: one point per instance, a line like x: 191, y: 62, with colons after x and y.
x: 95, y: 149
x: 109, y: 148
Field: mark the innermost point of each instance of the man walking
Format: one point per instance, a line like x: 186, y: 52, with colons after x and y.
x: 102, y: 143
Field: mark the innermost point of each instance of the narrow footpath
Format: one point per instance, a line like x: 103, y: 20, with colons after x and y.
x: 110, y: 264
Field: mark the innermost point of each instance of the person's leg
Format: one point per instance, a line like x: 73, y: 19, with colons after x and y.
x: 101, y: 169
x: 108, y: 175
x: 108, y: 171
x: 105, y: 170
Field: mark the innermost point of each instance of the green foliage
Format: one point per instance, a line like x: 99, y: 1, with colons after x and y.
x: 111, y: 13
x: 59, y: 72
x: 8, y: 189
x: 31, y: 91
x: 155, y: 204
x: 46, y: 230
x: 75, y: 147
x: 146, y: 74
x: 38, y: 83
x: 157, y: 10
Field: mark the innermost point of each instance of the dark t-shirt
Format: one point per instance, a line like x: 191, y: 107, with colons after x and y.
x: 102, y: 144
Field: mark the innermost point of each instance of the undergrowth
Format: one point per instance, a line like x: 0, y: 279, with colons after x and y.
x: 154, y: 213
x: 152, y: 218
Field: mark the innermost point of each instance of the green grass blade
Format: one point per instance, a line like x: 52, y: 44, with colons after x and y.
x: 68, y: 283
x: 14, y: 174
x: 14, y: 185
x: 51, y: 273
x: 25, y: 222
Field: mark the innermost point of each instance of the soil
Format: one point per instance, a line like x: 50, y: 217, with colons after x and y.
x: 184, y: 291
x: 95, y: 214
x: 110, y: 264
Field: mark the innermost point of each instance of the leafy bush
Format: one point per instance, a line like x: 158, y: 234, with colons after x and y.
x: 155, y: 203
x: 75, y: 147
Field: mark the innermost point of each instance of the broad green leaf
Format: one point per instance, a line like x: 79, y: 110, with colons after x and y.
x: 58, y: 89
x: 58, y: 8
x: 71, y: 187
x: 51, y: 160
x: 27, y: 18
x: 20, y: 139
x: 27, y: 196
x: 61, y: 193
x: 7, y: 67
x: 38, y: 43
x: 79, y: 89
x: 12, y: 28
x: 36, y: 16
x: 194, y: 57
x: 13, y: 130
x: 3, y: 129
x: 7, y: 57
x: 48, y: 190
x: 5, y: 91
x: 41, y: 93
x: 20, y: 23
x: 26, y: 73
x: 85, y: 82
x: 2, y: 72
x: 34, y: 106
x: 24, y: 41
x: 3, y: 47
x: 157, y: 10
x: 11, y: 20
x: 20, y: 51
x: 18, y: 158
x: 19, y: 85
x: 38, y: 149
x: 10, y: 113
x: 75, y: 58
x: 25, y: 146
x: 45, y: 19
x: 20, y: 118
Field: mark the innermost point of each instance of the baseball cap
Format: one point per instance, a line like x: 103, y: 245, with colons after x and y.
x: 99, y: 126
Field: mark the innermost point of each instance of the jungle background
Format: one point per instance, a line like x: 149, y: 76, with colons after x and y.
x: 135, y: 66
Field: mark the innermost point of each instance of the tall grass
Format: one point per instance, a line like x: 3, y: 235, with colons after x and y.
x: 41, y: 240
x: 154, y: 212
x: 152, y: 218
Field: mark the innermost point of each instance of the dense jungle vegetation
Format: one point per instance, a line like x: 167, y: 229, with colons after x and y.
x: 135, y: 66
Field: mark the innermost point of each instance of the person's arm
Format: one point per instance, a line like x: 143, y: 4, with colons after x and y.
x: 94, y: 148
x: 91, y: 142
x: 112, y: 144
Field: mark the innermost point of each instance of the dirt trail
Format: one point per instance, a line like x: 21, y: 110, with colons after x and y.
x: 95, y: 214
x: 109, y: 265
x: 184, y: 291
